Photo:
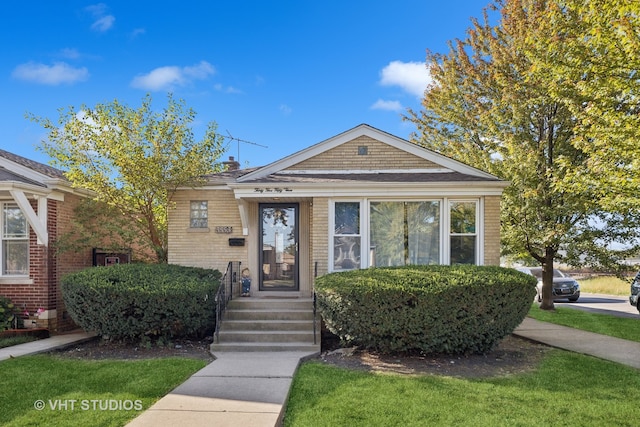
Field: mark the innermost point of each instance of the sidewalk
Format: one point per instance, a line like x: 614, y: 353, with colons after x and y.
x: 250, y: 389
x: 576, y: 340
x: 48, y: 344
x: 237, y: 389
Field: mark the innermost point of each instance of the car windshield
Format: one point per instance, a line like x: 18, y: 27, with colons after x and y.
x: 537, y: 272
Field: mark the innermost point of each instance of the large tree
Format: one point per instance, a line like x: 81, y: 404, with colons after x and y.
x: 490, y: 106
x: 594, y: 61
x: 132, y: 160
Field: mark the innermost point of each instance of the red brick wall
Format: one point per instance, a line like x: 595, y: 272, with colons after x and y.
x: 46, y: 267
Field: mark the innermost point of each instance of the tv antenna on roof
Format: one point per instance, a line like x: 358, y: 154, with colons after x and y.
x: 232, y: 138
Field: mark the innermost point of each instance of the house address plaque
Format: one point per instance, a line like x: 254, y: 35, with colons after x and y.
x: 226, y: 229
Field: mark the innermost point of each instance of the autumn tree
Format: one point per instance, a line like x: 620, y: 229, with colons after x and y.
x: 594, y: 61
x: 490, y: 106
x: 132, y: 160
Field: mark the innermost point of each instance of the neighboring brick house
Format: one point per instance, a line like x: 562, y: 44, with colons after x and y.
x: 362, y: 198
x: 36, y: 206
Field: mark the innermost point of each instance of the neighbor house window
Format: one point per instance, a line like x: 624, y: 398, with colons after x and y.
x: 346, y: 236
x: 463, y: 232
x: 15, y: 241
x: 403, y: 233
x: 199, y: 217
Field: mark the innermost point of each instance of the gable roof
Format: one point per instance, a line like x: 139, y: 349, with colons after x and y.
x: 41, y: 168
x: 277, y: 171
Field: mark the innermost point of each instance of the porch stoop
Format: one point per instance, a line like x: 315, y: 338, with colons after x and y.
x: 268, y: 324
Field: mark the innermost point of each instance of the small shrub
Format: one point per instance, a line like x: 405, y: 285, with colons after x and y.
x: 134, y: 301
x: 7, y: 313
x: 434, y: 309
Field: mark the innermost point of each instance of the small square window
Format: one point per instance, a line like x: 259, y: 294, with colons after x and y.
x: 199, y: 216
x: 363, y: 150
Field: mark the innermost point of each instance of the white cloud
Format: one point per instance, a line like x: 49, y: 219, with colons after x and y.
x: 412, y: 77
x: 70, y: 53
x: 53, y: 75
x: 138, y: 31
x: 285, y: 109
x: 164, y: 78
x: 381, y: 104
x: 103, y: 22
x: 228, y: 89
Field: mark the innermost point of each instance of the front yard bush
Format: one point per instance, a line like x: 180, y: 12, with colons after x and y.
x: 134, y: 302
x: 434, y: 309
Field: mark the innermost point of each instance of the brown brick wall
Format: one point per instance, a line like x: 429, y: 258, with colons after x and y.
x: 380, y: 156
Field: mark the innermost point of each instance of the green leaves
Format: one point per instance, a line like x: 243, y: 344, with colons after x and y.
x: 138, y: 301
x: 434, y: 309
x: 133, y: 159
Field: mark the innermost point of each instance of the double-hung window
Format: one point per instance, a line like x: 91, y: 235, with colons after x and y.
x: 346, y: 236
x: 15, y: 241
x: 463, y: 233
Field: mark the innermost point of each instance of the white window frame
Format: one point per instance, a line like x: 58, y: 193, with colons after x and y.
x: 479, y: 229
x: 332, y: 227
x: 3, y: 238
x: 445, y: 226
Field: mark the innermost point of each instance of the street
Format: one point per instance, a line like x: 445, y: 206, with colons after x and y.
x: 605, y: 304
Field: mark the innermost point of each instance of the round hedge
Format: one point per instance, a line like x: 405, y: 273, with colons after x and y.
x: 134, y: 301
x: 433, y: 309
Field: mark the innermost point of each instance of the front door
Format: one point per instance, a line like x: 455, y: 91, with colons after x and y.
x: 279, y: 246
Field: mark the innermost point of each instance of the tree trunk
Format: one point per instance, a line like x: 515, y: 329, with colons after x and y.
x: 547, y: 280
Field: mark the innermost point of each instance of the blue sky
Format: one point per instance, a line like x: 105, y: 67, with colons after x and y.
x: 284, y: 74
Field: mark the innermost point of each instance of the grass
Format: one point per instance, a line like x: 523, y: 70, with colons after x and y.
x: 567, y: 389
x: 609, y: 285
x: 20, y: 339
x: 627, y: 328
x: 55, y: 381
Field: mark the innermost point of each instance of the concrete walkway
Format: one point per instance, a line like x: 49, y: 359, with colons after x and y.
x: 237, y: 389
x: 576, y: 340
x: 44, y: 345
x: 251, y: 388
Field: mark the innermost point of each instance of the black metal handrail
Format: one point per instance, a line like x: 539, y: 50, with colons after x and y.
x: 315, y: 274
x: 225, y: 293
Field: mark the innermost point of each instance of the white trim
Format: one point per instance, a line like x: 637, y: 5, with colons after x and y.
x: 363, y: 130
x: 359, y: 171
x: 366, y: 189
x: 38, y: 222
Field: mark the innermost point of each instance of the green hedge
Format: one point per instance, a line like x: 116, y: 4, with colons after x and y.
x: 139, y: 301
x: 7, y: 313
x: 434, y: 309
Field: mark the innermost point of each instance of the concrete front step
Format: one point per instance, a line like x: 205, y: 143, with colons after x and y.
x: 267, y: 324
x: 267, y: 336
x: 254, y: 346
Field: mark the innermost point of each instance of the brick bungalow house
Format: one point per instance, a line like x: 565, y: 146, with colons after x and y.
x: 36, y: 205
x: 362, y: 198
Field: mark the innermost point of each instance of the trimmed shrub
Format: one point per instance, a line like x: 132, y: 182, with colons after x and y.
x: 139, y: 301
x: 7, y: 313
x: 433, y: 309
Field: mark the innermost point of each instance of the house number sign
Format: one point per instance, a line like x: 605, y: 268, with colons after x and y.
x: 224, y: 229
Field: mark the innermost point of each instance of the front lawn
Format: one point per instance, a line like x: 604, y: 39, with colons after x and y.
x: 567, y: 389
x: 627, y: 328
x: 49, y: 391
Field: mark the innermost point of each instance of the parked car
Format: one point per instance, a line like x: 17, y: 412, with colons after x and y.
x: 564, y: 286
x: 635, y: 292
